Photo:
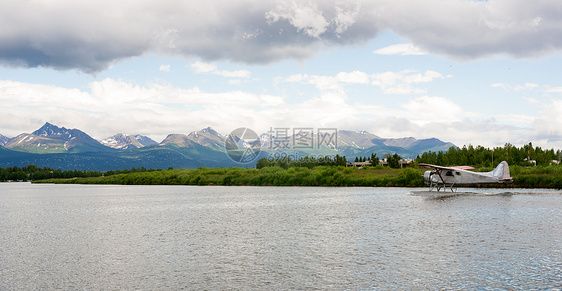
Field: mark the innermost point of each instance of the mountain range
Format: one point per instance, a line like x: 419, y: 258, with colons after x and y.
x: 70, y: 149
x: 127, y: 141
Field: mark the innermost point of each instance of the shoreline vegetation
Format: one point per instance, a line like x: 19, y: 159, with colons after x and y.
x: 331, y: 176
x: 530, y: 167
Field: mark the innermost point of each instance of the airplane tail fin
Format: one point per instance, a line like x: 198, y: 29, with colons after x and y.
x: 502, y: 172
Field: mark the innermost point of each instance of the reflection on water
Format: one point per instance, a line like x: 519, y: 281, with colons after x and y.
x: 166, y: 237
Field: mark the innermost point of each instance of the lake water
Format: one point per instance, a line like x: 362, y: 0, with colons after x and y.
x: 189, y: 237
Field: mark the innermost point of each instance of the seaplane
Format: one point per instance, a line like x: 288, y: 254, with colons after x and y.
x: 443, y: 180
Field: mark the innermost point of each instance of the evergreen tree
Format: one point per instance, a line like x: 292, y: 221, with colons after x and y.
x: 374, y: 160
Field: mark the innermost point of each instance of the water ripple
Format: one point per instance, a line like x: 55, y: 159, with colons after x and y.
x: 163, y: 237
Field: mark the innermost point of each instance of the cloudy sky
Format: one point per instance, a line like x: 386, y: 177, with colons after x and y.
x: 464, y: 71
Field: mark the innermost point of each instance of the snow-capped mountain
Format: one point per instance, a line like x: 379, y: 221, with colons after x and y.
x: 27, y: 142
x: 4, y: 140
x: 365, y: 140
x: 53, y: 139
x: 145, y: 140
x: 357, y: 139
x: 207, y: 137
x: 127, y: 141
x: 50, y: 130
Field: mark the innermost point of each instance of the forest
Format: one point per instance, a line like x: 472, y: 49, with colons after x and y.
x: 479, y: 156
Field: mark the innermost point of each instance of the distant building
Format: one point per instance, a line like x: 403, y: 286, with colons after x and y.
x: 406, y: 162
x: 382, y: 162
x: 358, y: 164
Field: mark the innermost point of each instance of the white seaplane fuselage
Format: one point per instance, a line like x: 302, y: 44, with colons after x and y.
x: 447, y: 178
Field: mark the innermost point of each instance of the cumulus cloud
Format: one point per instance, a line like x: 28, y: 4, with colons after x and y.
x: 404, y: 49
x: 548, y: 124
x: 554, y: 90
x: 92, y: 35
x: 330, y: 82
x: 403, y: 82
x: 111, y: 106
x: 164, y: 68
x: 433, y: 109
x: 509, y: 87
x: 526, y: 86
x: 465, y: 131
x: 201, y: 67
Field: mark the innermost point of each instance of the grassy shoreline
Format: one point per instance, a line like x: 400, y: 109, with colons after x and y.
x: 540, y: 177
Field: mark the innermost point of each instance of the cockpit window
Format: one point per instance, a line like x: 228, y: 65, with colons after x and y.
x: 449, y: 173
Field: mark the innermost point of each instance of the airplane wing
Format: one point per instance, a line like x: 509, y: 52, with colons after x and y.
x: 463, y: 167
x: 447, y: 168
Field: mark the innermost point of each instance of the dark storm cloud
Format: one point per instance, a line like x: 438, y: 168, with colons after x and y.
x: 91, y: 35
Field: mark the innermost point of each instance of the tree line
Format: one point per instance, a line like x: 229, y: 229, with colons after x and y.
x: 480, y: 156
x: 310, y: 162
x: 32, y: 172
x: 393, y: 161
